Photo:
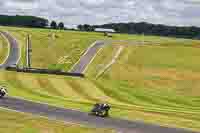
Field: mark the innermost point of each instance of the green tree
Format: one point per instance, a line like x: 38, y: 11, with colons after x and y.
x: 80, y: 27
x: 53, y: 25
x: 27, y: 21
x: 86, y: 27
x: 61, y: 25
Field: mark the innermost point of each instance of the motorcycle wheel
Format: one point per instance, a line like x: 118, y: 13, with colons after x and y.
x: 103, y: 114
x: 1, y: 96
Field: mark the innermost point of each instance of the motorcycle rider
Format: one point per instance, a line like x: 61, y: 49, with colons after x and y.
x: 101, y: 109
x: 3, y: 91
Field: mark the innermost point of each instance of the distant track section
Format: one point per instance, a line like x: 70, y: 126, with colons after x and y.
x: 14, y: 52
x: 85, y: 60
x: 89, y: 55
x: 67, y: 115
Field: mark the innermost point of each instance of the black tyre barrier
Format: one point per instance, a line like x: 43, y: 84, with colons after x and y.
x: 44, y: 71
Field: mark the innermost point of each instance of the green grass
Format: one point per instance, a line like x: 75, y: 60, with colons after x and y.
x: 156, y: 84
x: 161, y: 81
x: 158, y: 106
x: 13, y: 122
x: 59, y: 52
x: 64, y: 50
x: 3, y: 49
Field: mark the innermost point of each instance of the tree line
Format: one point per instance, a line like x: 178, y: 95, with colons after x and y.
x: 29, y: 21
x: 85, y: 27
x: 54, y: 25
x: 147, y: 29
x: 130, y: 28
x: 153, y: 29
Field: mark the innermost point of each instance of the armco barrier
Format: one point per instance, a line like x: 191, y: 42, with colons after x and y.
x: 44, y: 71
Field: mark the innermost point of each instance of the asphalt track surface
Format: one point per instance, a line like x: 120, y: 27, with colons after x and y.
x: 67, y: 115
x: 14, y: 53
x: 85, y: 60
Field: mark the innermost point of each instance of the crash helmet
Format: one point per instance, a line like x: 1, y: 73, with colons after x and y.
x: 3, y: 90
x: 104, y: 105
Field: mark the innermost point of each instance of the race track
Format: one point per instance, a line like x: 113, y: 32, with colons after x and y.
x: 122, y: 126
x: 14, y: 53
x: 67, y: 115
x: 85, y: 60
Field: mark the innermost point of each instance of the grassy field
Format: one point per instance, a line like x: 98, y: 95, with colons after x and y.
x: 53, y: 49
x: 56, y: 49
x: 12, y: 122
x: 3, y: 49
x: 156, y: 83
x: 163, y: 80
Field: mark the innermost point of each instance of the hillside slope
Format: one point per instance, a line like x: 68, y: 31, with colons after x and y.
x: 153, y: 83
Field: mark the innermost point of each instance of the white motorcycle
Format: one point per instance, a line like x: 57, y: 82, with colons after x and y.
x: 3, y: 92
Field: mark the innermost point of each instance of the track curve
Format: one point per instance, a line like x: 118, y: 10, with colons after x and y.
x: 14, y: 52
x: 85, y: 60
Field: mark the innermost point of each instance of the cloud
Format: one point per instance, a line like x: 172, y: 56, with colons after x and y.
x: 73, y: 12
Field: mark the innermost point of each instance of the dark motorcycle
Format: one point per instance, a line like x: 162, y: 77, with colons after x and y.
x: 101, y: 110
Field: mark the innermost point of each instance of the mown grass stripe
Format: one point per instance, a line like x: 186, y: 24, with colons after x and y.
x: 46, y: 84
x: 80, y: 90
x: 62, y: 87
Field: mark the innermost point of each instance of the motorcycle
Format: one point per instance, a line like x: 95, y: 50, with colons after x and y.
x: 100, y: 110
x: 3, y: 92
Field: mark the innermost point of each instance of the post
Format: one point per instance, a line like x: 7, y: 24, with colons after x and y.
x: 28, y: 51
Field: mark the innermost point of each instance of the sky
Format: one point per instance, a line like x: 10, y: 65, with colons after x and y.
x: 74, y: 12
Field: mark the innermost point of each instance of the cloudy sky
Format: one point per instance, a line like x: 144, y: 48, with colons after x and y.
x: 73, y: 12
